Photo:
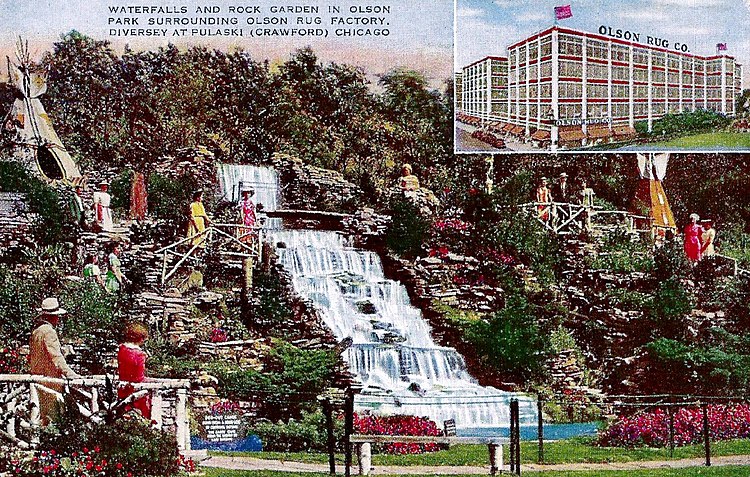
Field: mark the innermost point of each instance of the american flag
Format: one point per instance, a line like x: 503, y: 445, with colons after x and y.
x: 563, y: 12
x: 721, y: 47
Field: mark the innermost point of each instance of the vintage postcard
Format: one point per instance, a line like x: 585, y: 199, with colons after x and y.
x: 651, y: 75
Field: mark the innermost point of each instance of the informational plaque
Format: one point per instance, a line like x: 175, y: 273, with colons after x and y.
x: 223, y: 428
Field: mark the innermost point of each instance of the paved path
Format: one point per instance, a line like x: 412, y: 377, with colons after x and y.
x: 252, y: 463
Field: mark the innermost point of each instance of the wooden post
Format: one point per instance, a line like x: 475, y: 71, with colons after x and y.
x: 10, y: 427
x: 35, y: 414
x: 247, y: 273
x: 157, y: 408
x: 94, y: 400
x: 496, y: 458
x: 540, y: 429
x: 182, y: 422
x: 331, y: 437
x: 348, y: 427
x: 706, y: 434
x: 364, y: 454
x: 670, y: 414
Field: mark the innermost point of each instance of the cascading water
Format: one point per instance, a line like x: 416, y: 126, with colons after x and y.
x: 264, y: 180
x: 403, y: 371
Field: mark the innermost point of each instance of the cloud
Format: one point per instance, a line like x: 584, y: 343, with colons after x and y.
x: 643, y: 15
x: 693, y: 3
x: 531, y: 16
x: 470, y: 12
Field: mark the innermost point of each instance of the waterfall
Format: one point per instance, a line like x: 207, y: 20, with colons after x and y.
x: 402, y: 369
x: 264, y: 180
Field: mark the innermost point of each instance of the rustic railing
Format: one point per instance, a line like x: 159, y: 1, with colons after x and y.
x: 564, y: 218
x: 21, y: 421
x: 228, y: 239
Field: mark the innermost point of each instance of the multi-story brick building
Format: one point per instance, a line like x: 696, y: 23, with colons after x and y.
x: 566, y: 86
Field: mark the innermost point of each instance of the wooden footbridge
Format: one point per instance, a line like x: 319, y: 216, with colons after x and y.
x: 234, y: 241
x: 563, y: 218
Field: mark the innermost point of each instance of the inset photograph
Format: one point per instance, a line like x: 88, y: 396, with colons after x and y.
x: 638, y: 75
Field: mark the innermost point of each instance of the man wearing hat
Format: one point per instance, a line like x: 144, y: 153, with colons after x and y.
x: 562, y: 192
x: 46, y: 357
x: 102, y: 212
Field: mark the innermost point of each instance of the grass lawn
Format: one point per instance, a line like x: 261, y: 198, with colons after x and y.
x: 732, y: 140
x: 578, y: 450
x: 728, y: 471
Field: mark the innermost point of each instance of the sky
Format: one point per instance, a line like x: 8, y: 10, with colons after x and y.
x: 421, y: 35
x: 487, y: 27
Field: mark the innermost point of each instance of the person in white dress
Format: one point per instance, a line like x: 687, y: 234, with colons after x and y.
x: 102, y: 210
x: 708, y: 237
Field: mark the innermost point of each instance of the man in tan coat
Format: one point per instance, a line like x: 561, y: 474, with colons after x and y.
x: 46, y: 357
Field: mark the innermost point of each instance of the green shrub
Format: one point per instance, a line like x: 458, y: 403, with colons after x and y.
x: 699, y: 120
x: 95, y: 319
x: 409, y: 229
x: 291, y: 380
x: 630, y: 300
x: 670, y: 261
x: 671, y: 301
x: 510, y: 340
x: 131, y: 441
x: 270, y: 300
x: 120, y: 191
x: 53, y: 222
x: 19, y: 300
x: 169, y: 199
x: 306, y: 434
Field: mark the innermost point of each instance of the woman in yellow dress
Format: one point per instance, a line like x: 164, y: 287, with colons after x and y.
x: 198, y: 220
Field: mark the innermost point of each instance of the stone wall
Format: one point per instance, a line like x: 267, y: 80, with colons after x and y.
x: 307, y: 187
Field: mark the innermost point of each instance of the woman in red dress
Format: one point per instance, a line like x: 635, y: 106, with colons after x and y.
x: 693, y: 234
x: 131, y: 366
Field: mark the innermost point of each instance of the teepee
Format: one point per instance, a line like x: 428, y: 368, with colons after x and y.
x: 37, y: 145
x: 650, y: 199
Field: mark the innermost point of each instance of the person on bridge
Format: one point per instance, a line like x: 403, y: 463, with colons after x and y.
x: 693, y: 233
x: 131, y: 367
x: 248, y: 218
x: 587, y: 195
x: 544, y: 200
x: 46, y: 357
x: 198, y: 221
x: 562, y: 192
x: 708, y: 238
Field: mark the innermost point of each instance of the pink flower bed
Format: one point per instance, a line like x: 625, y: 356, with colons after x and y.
x: 652, y: 429
x: 399, y: 426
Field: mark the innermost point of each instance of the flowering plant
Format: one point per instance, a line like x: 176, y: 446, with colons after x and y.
x: 84, y: 463
x: 10, y: 361
x: 225, y: 407
x: 399, y: 426
x: 218, y: 335
x: 652, y: 429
